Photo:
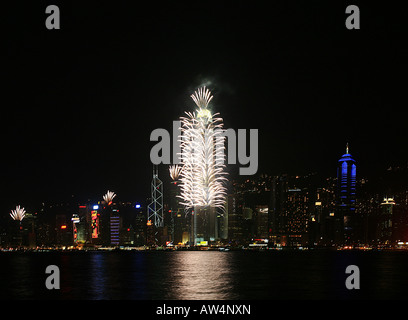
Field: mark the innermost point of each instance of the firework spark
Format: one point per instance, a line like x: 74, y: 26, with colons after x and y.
x: 175, y: 171
x: 108, y: 197
x: 18, y: 214
x: 202, y: 181
x: 202, y: 97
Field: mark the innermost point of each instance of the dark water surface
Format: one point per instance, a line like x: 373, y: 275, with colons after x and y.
x: 204, y: 275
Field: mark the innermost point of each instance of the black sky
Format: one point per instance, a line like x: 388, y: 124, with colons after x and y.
x: 79, y: 103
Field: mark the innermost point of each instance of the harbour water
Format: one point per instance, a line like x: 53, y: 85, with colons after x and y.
x: 199, y: 275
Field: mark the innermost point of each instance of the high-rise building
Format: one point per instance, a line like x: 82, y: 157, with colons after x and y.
x: 277, y: 219
x: 29, y: 236
x: 150, y: 234
x: 181, y: 227
x: 234, y: 211
x: 202, y: 181
x: 63, y: 230
x: 385, y: 225
x: 155, y: 208
x: 84, y: 234
x: 95, y: 225
x: 114, y: 227
x: 204, y: 224
x: 222, y: 223
x: 140, y: 227
x: 290, y: 211
x: 297, y: 213
x: 346, y: 198
x: 261, y: 221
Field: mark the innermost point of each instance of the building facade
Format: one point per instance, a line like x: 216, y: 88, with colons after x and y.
x: 346, y: 199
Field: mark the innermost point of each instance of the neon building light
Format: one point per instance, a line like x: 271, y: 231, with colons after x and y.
x: 346, y: 194
x: 95, y: 224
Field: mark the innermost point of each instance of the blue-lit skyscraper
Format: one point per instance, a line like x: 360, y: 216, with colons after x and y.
x: 346, y: 197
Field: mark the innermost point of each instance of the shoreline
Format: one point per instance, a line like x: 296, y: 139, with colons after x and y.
x: 197, y: 249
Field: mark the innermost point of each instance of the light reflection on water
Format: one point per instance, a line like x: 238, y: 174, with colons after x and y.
x: 97, y: 263
x: 202, y: 275
x: 197, y: 275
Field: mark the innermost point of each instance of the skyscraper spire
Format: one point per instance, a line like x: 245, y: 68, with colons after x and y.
x: 347, y: 148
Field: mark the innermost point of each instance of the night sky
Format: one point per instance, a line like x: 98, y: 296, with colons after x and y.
x: 79, y: 103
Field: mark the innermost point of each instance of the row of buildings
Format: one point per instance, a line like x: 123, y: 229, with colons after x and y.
x: 68, y: 224
x: 308, y: 211
x: 277, y: 211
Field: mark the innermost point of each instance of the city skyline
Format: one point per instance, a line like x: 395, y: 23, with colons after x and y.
x: 82, y: 124
x: 293, y: 211
x: 163, y: 170
x: 82, y: 101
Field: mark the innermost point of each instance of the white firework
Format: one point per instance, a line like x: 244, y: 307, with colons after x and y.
x: 18, y: 214
x: 202, y: 97
x: 175, y: 171
x: 108, y: 197
x: 202, y: 181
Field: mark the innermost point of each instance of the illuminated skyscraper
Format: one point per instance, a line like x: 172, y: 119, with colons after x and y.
x: 297, y: 214
x: 155, y: 208
x: 114, y: 227
x: 346, y: 198
x: 204, y: 222
x: 234, y: 216
x: 202, y: 177
x: 385, y: 227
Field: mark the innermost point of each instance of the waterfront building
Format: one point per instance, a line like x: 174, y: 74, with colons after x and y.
x: 115, y: 227
x: 297, y: 213
x: 261, y: 222
x: 385, y: 221
x: 235, y: 219
x: 346, y: 198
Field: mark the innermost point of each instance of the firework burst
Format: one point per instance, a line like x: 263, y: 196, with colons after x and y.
x: 108, y: 197
x: 175, y: 171
x: 18, y: 214
x: 202, y: 181
x: 202, y: 97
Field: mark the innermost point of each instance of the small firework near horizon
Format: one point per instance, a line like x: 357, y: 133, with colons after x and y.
x: 109, y: 196
x: 18, y: 214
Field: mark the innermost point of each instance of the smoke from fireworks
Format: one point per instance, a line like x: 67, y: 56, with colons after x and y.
x: 202, y: 156
x: 108, y: 197
x: 18, y: 213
